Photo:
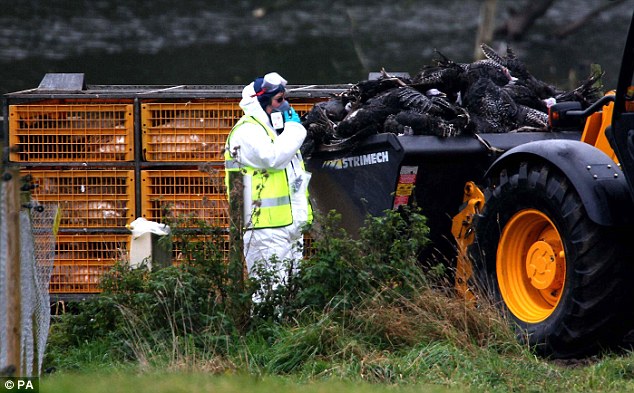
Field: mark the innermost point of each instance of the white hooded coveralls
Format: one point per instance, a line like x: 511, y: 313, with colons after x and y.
x: 255, y: 149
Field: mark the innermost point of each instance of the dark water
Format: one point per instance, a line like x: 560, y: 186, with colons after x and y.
x: 231, y: 42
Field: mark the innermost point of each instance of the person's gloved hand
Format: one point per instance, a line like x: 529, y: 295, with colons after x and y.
x: 290, y: 115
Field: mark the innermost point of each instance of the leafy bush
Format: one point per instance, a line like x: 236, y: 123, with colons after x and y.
x: 348, y: 302
x: 343, y: 271
x: 198, y: 304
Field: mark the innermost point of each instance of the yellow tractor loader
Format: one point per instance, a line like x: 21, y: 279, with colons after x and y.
x: 542, y: 231
x: 549, y: 238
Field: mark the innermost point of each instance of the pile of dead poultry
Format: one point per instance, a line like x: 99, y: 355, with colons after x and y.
x: 497, y: 94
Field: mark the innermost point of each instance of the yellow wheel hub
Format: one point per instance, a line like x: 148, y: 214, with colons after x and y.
x: 540, y: 265
x: 531, y: 266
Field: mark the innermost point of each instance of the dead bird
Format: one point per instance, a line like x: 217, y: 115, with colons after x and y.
x: 494, y: 110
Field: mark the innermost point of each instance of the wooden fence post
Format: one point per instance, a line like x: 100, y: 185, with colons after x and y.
x: 236, y: 221
x: 14, y: 298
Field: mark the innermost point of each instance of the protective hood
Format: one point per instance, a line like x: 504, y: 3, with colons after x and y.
x: 251, y: 106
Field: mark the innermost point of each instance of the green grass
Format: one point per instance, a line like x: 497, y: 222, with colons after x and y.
x: 432, y: 370
x: 200, y: 382
x: 362, y: 317
x: 257, y: 366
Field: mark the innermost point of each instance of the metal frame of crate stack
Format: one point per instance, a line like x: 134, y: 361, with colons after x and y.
x: 107, y: 154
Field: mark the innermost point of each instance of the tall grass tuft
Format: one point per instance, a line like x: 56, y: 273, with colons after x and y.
x: 431, y: 315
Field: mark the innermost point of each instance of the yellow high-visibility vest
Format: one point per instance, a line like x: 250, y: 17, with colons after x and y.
x: 270, y: 194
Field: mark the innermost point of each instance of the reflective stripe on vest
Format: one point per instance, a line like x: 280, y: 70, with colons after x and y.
x: 271, y: 202
x: 270, y: 195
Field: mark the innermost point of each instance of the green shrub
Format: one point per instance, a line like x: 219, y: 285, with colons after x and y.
x: 352, y: 300
x: 196, y: 305
x: 344, y: 271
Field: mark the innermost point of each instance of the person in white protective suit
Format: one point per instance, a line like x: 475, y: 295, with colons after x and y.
x: 263, y: 147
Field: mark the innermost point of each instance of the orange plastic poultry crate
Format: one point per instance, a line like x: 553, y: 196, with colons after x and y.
x: 71, y: 133
x: 82, y: 260
x: 87, y: 198
x: 185, y: 194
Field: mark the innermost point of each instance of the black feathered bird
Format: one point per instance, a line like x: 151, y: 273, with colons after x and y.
x: 493, y: 110
x: 416, y: 108
x: 454, y: 78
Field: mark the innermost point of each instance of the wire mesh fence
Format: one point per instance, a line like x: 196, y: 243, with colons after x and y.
x: 3, y: 276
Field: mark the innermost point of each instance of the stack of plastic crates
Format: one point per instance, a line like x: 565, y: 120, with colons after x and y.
x: 179, y: 138
x: 80, y: 156
x: 109, y: 154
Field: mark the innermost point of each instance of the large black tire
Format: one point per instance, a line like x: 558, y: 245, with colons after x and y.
x: 560, y: 277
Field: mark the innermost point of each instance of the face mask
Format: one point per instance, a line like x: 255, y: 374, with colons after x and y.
x: 284, y: 106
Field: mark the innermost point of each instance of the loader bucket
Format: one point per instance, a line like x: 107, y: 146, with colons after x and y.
x: 379, y: 172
